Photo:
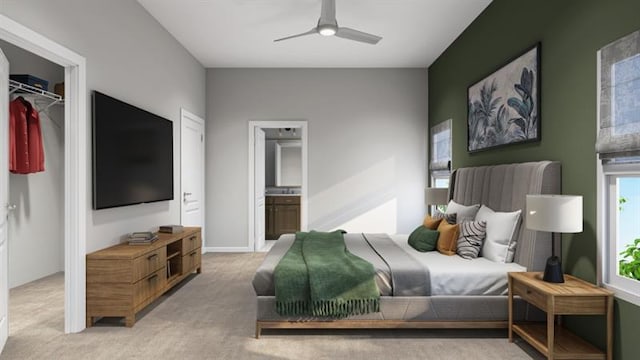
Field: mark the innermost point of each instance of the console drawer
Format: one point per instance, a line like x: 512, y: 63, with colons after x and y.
x: 149, y: 262
x: 191, y: 243
x: 191, y: 261
x: 149, y: 286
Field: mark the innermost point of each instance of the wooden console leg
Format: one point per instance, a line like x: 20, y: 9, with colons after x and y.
x: 89, y: 321
x: 258, y: 330
x: 199, y: 270
x: 130, y: 320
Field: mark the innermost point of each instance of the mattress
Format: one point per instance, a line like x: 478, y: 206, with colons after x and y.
x: 444, y: 275
x: 453, y: 275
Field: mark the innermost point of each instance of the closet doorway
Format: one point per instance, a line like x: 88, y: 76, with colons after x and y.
x: 75, y: 163
x: 35, y: 222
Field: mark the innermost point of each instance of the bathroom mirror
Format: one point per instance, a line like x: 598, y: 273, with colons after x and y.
x: 289, y: 163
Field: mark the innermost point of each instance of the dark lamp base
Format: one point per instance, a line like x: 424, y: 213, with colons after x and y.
x: 553, y: 270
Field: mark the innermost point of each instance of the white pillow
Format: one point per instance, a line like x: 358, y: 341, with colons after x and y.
x: 502, y: 228
x: 463, y: 213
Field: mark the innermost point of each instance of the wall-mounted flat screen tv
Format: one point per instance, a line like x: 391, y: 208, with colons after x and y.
x: 132, y: 154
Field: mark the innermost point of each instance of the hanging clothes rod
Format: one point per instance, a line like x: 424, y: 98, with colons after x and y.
x: 18, y: 86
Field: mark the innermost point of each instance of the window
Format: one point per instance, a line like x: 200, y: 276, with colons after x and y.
x: 618, y: 147
x: 621, y: 252
x: 440, y: 161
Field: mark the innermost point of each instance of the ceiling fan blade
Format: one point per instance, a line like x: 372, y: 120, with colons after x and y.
x: 328, y: 14
x: 312, y: 31
x: 351, y: 34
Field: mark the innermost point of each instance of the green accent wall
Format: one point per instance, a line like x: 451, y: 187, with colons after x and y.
x: 570, y: 32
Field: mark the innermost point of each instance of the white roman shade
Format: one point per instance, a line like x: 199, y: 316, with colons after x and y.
x: 441, y: 147
x: 619, y: 110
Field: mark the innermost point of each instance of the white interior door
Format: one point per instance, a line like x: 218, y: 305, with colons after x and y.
x: 4, y: 193
x: 192, y: 170
x: 259, y: 160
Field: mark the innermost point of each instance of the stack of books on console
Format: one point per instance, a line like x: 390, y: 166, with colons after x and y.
x: 171, y: 229
x: 142, y: 238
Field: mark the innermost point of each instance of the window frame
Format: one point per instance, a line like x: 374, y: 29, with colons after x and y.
x: 607, y: 273
x: 440, y: 173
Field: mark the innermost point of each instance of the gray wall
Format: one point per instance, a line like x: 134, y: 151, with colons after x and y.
x: 131, y: 57
x: 36, y: 227
x: 367, y: 145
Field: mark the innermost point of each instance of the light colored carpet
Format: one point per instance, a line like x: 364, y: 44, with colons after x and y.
x: 212, y: 316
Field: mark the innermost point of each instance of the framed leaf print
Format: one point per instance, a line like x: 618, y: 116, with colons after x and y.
x: 504, y: 107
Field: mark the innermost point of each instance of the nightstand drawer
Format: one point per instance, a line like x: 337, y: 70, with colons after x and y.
x: 580, y: 305
x: 530, y: 295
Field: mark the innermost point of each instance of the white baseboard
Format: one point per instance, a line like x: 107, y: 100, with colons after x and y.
x: 216, y: 249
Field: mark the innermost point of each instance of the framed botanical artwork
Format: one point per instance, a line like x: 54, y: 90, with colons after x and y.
x: 504, y: 107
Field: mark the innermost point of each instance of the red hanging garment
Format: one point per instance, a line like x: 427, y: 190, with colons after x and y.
x: 36, y: 150
x: 26, y: 152
x: 18, y: 137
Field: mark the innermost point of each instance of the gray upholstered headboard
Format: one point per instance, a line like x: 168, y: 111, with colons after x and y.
x: 503, y: 188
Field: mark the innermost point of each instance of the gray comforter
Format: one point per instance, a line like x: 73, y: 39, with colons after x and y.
x: 397, y: 273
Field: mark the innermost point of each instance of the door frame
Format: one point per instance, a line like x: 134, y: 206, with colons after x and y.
x: 75, y: 163
x: 191, y: 116
x: 304, y: 203
x: 259, y: 215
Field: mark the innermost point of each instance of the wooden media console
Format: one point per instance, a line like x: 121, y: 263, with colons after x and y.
x: 124, y: 279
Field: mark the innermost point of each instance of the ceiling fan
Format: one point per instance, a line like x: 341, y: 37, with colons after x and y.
x: 328, y: 26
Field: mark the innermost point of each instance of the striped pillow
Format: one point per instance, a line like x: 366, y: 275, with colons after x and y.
x: 472, y: 234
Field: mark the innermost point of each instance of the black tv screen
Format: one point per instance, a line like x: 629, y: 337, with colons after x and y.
x: 132, y: 154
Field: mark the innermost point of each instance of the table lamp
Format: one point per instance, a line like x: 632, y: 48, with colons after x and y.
x: 436, y: 196
x: 554, y: 213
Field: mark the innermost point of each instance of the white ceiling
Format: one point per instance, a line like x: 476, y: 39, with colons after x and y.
x: 240, y: 33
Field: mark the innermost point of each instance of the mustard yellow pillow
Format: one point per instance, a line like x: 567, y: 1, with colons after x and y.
x: 448, y: 239
x: 431, y: 223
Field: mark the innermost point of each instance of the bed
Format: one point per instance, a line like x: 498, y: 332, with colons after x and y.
x: 437, y: 291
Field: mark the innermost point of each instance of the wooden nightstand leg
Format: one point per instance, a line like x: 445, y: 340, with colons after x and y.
x: 510, y: 299
x: 551, y: 324
x: 89, y: 321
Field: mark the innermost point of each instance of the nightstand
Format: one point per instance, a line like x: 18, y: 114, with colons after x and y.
x: 573, y: 297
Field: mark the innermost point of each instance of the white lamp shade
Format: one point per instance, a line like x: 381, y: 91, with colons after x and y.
x: 436, y: 196
x: 554, y: 213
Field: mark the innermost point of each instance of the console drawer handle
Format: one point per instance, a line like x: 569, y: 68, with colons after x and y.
x: 192, y: 238
x: 153, y: 277
x: 193, y: 254
x: 152, y: 256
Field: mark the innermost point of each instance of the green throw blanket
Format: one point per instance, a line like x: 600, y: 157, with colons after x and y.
x: 318, y: 276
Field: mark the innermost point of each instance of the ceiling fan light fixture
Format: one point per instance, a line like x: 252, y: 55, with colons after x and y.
x: 327, y: 30
x: 328, y: 26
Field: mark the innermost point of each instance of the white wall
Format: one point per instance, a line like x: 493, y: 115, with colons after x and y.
x: 36, y: 228
x: 367, y: 145
x: 129, y: 56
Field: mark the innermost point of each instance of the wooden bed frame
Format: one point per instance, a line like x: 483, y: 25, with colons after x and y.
x: 378, y: 324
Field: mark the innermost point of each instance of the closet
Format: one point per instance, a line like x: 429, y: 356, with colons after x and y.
x: 36, y: 224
